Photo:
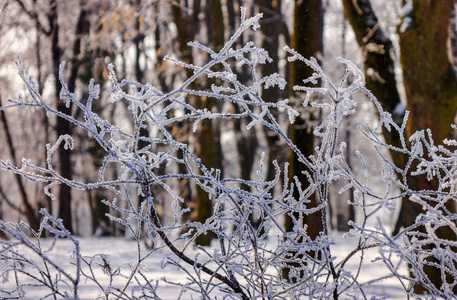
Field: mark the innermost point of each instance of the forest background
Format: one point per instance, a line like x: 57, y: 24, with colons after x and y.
x: 135, y: 37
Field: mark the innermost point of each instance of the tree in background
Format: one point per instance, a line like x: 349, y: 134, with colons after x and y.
x: 96, y: 40
x: 247, y: 141
x: 51, y: 30
x: 272, y: 27
x: 207, y: 141
x: 28, y: 210
x: 430, y: 86
x: 12, y: 21
x: 307, y: 39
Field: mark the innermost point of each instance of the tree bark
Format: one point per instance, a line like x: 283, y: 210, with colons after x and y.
x: 181, y: 130
x: 29, y: 210
x: 208, y: 145
x: 271, y: 25
x: 43, y: 200
x: 377, y: 50
x: 307, y: 39
x: 429, y: 80
x: 379, y: 67
x: 52, y: 31
x: 62, y: 125
x: 431, y: 90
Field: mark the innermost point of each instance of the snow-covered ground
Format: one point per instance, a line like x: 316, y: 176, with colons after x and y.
x: 122, y: 253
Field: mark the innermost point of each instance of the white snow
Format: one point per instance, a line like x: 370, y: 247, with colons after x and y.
x: 122, y: 253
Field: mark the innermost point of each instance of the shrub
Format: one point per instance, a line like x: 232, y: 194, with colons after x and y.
x: 246, y: 262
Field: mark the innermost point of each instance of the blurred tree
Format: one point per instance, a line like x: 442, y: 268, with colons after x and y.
x: 272, y: 24
x: 428, y: 77
x: 247, y: 141
x: 186, y: 25
x: 51, y: 30
x: 24, y: 201
x: 307, y: 39
x: 207, y: 142
x: 93, y: 66
x: 29, y: 211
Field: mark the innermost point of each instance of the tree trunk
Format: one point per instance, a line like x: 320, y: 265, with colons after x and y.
x: 307, y: 39
x: 208, y: 146
x: 429, y: 80
x: 93, y: 66
x: 379, y: 66
x: 138, y: 41
x: 2, y: 234
x: 43, y: 200
x: 30, y: 211
x: 181, y: 130
x: 431, y: 90
x: 271, y: 25
x: 62, y: 126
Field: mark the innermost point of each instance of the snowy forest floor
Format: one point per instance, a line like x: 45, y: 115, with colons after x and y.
x: 122, y: 253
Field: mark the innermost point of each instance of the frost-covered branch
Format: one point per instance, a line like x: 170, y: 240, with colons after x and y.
x: 247, y: 261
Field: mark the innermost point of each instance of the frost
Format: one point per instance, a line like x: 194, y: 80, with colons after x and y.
x: 406, y: 16
x: 274, y: 80
x: 387, y: 173
x: 247, y: 261
x: 399, y: 109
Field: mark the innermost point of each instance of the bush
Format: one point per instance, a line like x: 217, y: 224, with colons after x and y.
x: 243, y: 264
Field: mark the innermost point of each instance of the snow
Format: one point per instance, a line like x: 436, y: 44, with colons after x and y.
x: 406, y: 14
x: 122, y: 253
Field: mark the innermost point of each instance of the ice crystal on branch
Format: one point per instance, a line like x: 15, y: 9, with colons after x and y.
x: 247, y: 261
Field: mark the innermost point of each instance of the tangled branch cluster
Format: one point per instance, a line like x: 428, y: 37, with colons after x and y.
x: 247, y: 262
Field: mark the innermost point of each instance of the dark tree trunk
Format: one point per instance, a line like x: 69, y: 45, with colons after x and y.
x: 429, y: 80
x: 307, y: 39
x: 181, y: 130
x: 44, y: 201
x: 2, y: 234
x: 271, y: 25
x: 379, y: 66
x: 29, y: 210
x: 431, y: 90
x: 208, y: 146
x: 63, y: 127
x: 377, y: 49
